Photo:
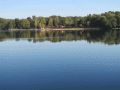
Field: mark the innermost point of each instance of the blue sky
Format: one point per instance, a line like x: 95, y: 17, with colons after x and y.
x: 25, y: 8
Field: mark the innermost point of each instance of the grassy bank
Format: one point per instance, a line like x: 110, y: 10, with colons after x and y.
x: 56, y: 29
x: 67, y: 29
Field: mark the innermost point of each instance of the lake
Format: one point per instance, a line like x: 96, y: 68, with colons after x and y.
x: 60, y: 60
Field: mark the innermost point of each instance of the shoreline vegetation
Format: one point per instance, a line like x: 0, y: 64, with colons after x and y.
x: 107, y: 20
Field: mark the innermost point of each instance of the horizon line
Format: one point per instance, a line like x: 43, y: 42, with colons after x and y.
x: 60, y: 15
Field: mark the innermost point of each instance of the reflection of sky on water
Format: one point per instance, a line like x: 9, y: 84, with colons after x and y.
x: 63, y: 65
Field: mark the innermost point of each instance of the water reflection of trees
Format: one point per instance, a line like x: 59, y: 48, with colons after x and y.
x: 107, y: 37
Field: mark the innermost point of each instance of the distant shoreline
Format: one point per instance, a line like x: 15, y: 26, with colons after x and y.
x: 107, y: 20
x: 55, y: 29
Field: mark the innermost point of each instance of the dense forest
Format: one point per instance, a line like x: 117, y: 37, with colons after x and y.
x: 105, y: 20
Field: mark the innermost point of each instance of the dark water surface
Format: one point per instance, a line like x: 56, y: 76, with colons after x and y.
x: 60, y: 60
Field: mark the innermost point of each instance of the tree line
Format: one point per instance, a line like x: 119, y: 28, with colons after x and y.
x: 105, y: 20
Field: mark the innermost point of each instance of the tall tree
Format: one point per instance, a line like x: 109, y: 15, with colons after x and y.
x: 42, y: 22
x: 35, y: 21
x: 25, y: 24
x: 50, y: 22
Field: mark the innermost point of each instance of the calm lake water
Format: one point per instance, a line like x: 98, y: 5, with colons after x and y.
x: 72, y: 60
